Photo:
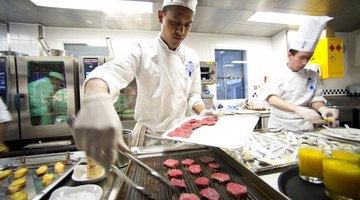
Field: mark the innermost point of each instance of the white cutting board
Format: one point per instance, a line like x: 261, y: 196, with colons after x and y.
x: 230, y: 131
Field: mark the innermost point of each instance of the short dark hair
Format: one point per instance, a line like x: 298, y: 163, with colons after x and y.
x: 293, y: 51
x: 165, y: 9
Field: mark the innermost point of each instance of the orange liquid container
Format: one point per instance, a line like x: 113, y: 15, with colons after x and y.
x: 345, y: 155
x: 310, y: 162
x: 341, y: 179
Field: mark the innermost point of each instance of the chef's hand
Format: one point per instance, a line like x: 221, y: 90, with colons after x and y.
x: 209, y: 112
x: 97, y: 129
x: 329, y: 113
x: 309, y: 115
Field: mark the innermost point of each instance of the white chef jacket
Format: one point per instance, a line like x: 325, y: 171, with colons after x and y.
x: 4, y: 113
x: 299, y: 88
x: 168, y: 82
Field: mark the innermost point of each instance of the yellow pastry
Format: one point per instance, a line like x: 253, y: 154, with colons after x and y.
x: 93, y: 170
x: 41, y: 170
x: 329, y: 119
x: 47, y: 179
x: 5, y: 173
x: 16, y: 185
x: 59, y: 167
x: 20, y: 172
x: 20, y: 195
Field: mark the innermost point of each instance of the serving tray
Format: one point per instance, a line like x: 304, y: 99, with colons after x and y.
x: 230, y: 131
x: 295, y: 188
x: 34, y: 187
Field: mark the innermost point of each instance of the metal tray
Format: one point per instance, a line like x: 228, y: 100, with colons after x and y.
x: 257, y: 188
x: 34, y: 188
x: 295, y: 188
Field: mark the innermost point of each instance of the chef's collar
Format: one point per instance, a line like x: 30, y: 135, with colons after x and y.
x: 166, y: 46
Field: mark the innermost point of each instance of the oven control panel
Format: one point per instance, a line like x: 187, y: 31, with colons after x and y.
x: 208, y: 72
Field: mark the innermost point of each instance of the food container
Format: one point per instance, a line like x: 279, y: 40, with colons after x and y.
x: 122, y: 160
x: 52, y: 52
x: 35, y: 186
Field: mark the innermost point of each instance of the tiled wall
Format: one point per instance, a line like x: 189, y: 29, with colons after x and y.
x: 23, y: 38
x: 335, y: 92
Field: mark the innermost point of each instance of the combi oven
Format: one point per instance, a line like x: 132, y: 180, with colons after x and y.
x: 40, y: 93
x: 125, y: 104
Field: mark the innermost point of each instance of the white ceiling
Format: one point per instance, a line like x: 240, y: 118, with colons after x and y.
x: 213, y: 16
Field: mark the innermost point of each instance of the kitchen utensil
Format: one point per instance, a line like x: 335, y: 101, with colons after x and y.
x: 148, y: 169
x: 52, y: 52
x: 80, y: 175
x: 342, y: 133
x: 122, y: 160
x: 349, y: 131
x: 152, y: 172
x: 230, y: 131
x: 295, y: 188
x: 92, y: 191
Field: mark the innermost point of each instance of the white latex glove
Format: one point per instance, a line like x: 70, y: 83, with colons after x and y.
x: 208, y: 112
x: 309, y: 115
x: 98, y: 131
x: 327, y: 112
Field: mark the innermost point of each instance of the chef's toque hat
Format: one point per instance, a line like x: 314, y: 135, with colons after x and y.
x: 191, y: 4
x: 57, y: 75
x: 308, y: 34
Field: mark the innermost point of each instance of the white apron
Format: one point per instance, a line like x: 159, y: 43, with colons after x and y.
x: 298, y: 88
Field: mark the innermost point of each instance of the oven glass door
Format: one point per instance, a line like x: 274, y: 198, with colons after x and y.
x: 47, y: 92
x: 48, y: 89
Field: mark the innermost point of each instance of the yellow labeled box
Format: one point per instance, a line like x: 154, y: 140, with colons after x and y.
x: 329, y: 54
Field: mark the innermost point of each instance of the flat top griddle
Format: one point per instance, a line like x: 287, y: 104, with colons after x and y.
x: 257, y: 188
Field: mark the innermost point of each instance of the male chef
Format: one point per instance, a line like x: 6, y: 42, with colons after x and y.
x: 295, y: 93
x: 167, y: 75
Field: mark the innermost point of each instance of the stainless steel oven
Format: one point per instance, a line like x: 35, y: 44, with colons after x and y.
x: 125, y: 104
x: 8, y: 92
x: 45, y: 95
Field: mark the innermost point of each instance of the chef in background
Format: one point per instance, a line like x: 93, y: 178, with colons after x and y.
x: 4, y: 117
x: 295, y: 93
x: 41, y: 94
x: 167, y: 75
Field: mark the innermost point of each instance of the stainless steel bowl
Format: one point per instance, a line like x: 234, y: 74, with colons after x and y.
x: 59, y: 52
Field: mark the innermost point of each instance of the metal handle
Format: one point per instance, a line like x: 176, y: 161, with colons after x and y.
x: 130, y: 182
x: 109, y: 45
x: 45, y: 46
x: 152, y: 172
x: 17, y: 98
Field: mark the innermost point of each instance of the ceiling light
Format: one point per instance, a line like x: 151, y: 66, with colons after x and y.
x: 110, y: 6
x: 278, y: 18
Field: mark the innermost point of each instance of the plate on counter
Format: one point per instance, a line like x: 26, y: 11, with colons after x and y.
x: 89, y: 191
x: 295, y: 188
x: 342, y: 133
x: 80, y: 175
x: 229, y: 131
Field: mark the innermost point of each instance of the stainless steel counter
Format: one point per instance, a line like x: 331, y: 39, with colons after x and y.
x: 110, y: 184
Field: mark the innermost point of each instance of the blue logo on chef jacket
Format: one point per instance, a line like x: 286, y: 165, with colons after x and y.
x: 303, y: 44
x: 190, y: 67
x: 310, y: 84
